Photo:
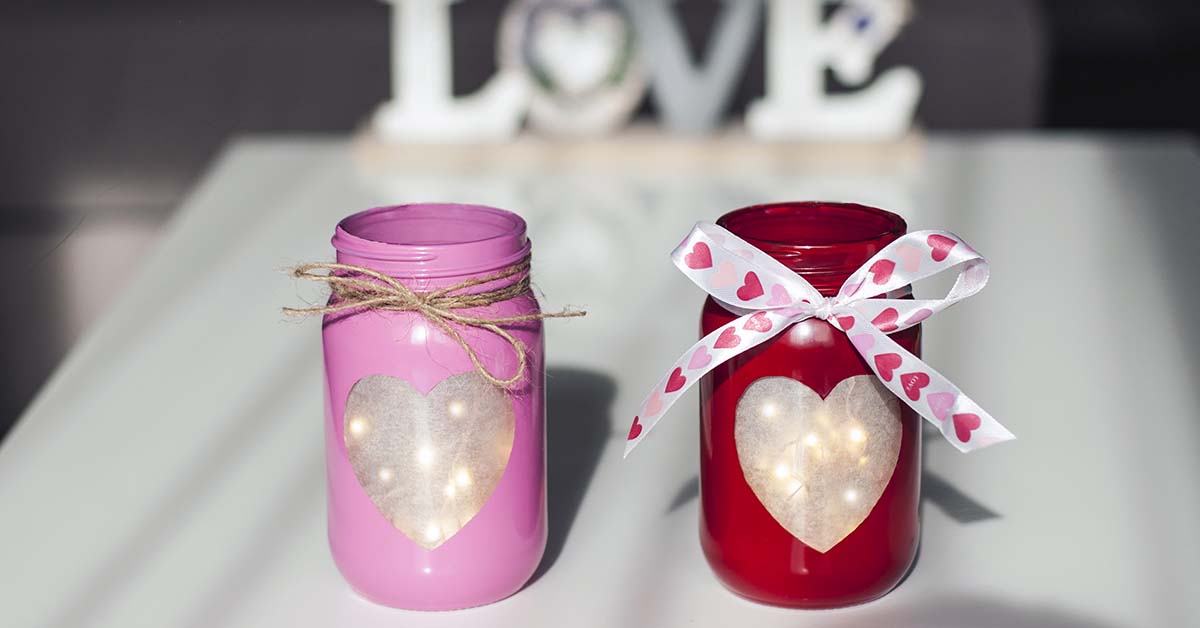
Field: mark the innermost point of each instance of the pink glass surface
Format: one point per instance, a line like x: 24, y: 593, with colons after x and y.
x: 427, y: 246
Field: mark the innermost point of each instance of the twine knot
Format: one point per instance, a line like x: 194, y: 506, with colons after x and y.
x: 357, y: 287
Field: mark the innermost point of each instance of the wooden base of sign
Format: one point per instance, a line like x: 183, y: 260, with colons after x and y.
x: 641, y: 149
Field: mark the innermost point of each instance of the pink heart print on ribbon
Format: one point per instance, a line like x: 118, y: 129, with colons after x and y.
x: 699, y: 258
x: 714, y: 259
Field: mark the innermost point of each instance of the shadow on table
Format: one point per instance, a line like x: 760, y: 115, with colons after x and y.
x: 954, y: 611
x: 577, y: 426
x: 934, y: 490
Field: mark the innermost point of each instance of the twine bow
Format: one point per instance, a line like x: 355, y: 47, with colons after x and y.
x: 357, y: 287
x: 768, y: 297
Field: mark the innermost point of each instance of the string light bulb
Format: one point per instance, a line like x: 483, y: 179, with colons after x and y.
x: 462, y: 478
x: 782, y: 471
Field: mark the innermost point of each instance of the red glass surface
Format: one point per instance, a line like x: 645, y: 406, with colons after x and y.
x: 750, y: 552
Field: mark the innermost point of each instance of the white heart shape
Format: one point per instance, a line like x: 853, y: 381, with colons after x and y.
x: 578, y: 52
x: 818, y: 465
x: 428, y: 462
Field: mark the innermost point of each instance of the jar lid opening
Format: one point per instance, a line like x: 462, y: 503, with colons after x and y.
x: 432, y: 239
x: 822, y: 241
x: 811, y: 224
x: 432, y: 224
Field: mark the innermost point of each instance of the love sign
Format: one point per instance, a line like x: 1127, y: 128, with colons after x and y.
x: 583, y: 67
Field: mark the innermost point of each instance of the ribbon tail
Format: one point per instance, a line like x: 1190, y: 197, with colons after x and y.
x: 736, y: 337
x: 960, y: 420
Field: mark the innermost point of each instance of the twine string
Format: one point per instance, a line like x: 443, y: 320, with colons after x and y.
x: 357, y: 287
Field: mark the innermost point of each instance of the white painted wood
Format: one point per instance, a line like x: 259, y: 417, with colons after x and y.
x: 171, y: 472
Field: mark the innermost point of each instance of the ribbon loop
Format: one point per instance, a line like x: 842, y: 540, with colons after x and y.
x: 769, y: 297
x: 741, y: 277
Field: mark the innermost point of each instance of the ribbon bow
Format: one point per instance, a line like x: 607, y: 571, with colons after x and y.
x: 770, y: 297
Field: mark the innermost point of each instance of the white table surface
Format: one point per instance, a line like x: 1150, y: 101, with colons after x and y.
x: 171, y: 472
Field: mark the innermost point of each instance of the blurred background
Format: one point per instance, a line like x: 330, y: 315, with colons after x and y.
x: 112, y: 111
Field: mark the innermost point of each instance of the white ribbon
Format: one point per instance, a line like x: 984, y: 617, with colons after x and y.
x: 770, y: 297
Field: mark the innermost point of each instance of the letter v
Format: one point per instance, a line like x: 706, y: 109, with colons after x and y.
x: 692, y: 98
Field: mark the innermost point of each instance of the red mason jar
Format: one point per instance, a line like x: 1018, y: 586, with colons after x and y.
x: 747, y: 546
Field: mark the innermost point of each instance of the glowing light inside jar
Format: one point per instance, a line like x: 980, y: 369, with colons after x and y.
x: 782, y: 470
x: 429, y: 462
x: 462, y: 478
x: 818, y: 464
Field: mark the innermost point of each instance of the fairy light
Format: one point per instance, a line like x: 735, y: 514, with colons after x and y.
x: 425, y: 456
x: 850, y: 495
x: 386, y: 475
x: 358, y: 426
x: 433, y: 532
x: 462, y: 478
x: 857, y: 435
x: 450, y: 490
x: 457, y: 409
x: 811, y: 440
x: 769, y: 410
x: 782, y: 471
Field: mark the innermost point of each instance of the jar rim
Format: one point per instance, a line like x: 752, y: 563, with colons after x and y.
x: 822, y: 241
x: 875, y: 224
x: 432, y: 239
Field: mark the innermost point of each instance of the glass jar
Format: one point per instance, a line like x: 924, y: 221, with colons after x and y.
x: 436, y: 477
x: 748, y: 546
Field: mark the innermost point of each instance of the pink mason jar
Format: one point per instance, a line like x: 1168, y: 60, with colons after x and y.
x: 437, y: 477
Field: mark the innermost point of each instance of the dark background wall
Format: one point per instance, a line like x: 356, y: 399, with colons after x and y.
x: 134, y: 96
x: 111, y: 110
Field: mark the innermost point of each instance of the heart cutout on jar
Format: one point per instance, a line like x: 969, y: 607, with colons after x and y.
x: 818, y: 465
x: 429, y: 463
